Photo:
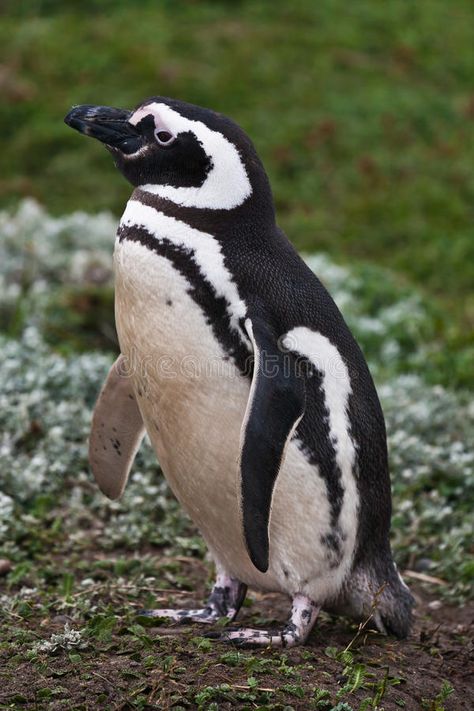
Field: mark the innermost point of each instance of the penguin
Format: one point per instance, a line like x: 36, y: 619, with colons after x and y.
x: 238, y: 364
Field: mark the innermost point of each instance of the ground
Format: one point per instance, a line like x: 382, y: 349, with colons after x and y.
x: 121, y: 664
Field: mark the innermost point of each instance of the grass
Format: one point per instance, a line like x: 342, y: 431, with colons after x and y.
x: 363, y: 116
x: 77, y: 642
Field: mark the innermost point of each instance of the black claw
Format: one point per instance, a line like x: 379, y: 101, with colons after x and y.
x: 241, y: 643
x: 212, y: 635
x: 225, y: 639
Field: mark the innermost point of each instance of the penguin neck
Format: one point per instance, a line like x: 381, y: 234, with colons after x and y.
x: 255, y: 216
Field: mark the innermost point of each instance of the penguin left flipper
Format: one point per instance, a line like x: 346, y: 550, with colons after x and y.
x: 275, y: 406
x: 116, y: 433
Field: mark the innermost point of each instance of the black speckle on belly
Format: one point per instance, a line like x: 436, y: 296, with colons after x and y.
x: 332, y: 542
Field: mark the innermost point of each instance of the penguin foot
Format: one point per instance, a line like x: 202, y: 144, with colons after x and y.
x: 296, y: 631
x: 225, y: 601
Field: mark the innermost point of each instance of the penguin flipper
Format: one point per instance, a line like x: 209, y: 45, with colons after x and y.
x: 116, y: 433
x: 276, y: 405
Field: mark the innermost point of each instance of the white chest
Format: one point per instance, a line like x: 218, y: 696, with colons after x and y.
x: 182, y: 375
x: 191, y: 396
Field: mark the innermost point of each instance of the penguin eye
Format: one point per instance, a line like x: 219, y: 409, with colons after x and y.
x: 164, y: 138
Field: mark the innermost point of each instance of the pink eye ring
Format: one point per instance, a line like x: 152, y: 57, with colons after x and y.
x: 164, y: 138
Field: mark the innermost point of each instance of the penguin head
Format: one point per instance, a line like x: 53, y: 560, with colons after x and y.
x: 192, y: 156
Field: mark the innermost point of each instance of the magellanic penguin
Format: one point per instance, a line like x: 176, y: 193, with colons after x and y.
x: 239, y: 366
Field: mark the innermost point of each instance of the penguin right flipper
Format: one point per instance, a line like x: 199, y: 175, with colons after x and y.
x: 276, y: 405
x: 116, y: 433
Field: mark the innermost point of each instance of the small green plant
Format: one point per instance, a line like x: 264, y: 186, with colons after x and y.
x: 437, y: 704
x: 202, y: 643
x: 356, y: 676
x: 380, y: 687
x: 321, y: 698
x: 294, y: 690
x: 210, y: 693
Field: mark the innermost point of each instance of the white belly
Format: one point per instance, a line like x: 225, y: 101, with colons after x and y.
x: 193, y: 401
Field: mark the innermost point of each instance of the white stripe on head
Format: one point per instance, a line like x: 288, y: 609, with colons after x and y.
x: 227, y: 184
x: 336, y: 386
x: 206, y: 250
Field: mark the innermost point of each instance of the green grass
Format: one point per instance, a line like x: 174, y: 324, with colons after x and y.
x: 362, y: 113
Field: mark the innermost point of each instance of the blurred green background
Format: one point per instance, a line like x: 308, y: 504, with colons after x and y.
x: 362, y: 112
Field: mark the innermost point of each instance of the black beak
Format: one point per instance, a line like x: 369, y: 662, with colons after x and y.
x: 108, y: 125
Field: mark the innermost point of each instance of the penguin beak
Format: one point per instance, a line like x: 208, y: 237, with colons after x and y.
x: 110, y: 126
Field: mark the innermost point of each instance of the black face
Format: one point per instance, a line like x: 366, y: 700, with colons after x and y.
x: 145, y: 151
x: 194, y: 157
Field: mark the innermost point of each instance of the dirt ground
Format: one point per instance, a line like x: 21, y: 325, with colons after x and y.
x: 124, y: 665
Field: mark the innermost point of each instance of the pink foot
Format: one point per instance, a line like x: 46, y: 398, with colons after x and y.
x: 303, y: 616
x: 225, y: 600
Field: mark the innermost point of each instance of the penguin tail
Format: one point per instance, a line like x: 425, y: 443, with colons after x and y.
x: 393, y: 608
x: 377, y: 598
